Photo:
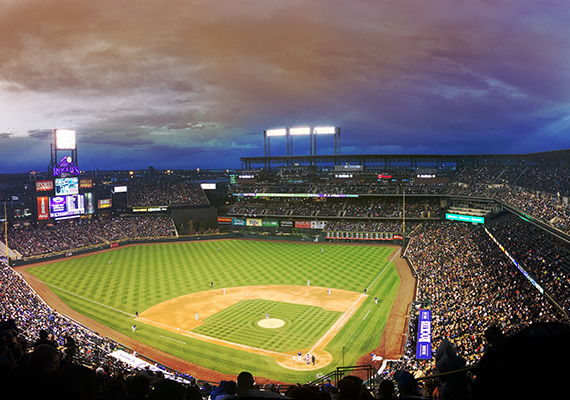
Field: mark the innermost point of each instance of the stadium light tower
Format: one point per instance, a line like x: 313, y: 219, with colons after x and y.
x: 64, y: 139
x: 327, y: 130
x: 304, y: 130
x: 267, y: 143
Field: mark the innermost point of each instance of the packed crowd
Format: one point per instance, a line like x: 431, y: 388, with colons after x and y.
x: 69, y: 235
x: 470, y: 285
x: 391, y: 207
x: 347, y: 225
x: 36, y: 342
x: 543, y: 255
x: 548, y: 208
x: 166, y: 193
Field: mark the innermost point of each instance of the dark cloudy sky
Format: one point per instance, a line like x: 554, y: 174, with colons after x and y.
x: 193, y: 84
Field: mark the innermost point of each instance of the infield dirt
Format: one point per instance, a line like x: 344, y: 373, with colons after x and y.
x: 391, y: 344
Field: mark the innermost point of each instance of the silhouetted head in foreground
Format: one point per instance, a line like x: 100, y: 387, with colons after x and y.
x: 531, y: 364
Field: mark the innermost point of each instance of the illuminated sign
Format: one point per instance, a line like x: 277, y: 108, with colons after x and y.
x: 22, y: 213
x: 89, y: 205
x: 246, y: 176
x: 105, y: 203
x: 465, y: 218
x: 65, y: 186
x: 423, y: 347
x: 65, y: 166
x: 224, y: 221
x: 292, y: 195
x: 120, y: 189
x: 208, y: 186
x: 151, y: 209
x: 381, y: 176
x: 44, y: 186
x: 65, y: 139
x: 85, y: 183
x: 343, y: 176
x: 65, y: 206
x: 43, y: 210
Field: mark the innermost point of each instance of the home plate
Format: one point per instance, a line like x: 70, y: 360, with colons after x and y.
x: 271, y: 323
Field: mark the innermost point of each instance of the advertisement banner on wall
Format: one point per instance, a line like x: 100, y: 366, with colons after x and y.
x: 85, y: 183
x: 224, y: 220
x: 423, y: 348
x: 150, y: 209
x: 43, y: 208
x: 253, y: 222
x: 318, y: 224
x: 270, y: 222
x: 286, y: 224
x: 105, y: 203
x: 44, y: 186
x: 238, y: 221
x: 398, y: 237
x: 89, y: 204
x: 303, y: 224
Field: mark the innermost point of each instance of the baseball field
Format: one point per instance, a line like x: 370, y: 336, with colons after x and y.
x: 235, y: 305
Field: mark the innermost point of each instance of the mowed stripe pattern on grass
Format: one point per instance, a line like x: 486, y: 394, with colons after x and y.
x: 140, y: 277
x: 304, y: 325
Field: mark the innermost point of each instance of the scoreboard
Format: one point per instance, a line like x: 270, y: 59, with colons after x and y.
x: 66, y: 206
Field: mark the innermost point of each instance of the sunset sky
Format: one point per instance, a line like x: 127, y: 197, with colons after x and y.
x: 193, y: 84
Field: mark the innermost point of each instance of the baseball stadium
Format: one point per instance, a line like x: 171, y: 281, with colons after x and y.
x: 301, y: 270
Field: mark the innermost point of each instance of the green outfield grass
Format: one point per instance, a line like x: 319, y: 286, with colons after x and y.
x: 304, y: 325
x: 140, y: 277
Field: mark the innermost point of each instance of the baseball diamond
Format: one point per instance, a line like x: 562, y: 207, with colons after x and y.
x: 169, y: 283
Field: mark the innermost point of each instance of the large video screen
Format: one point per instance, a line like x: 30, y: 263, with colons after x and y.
x: 66, y: 206
x: 65, y: 186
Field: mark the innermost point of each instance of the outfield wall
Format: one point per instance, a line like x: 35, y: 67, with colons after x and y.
x: 120, y: 243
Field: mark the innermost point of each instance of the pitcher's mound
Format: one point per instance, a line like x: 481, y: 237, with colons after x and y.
x: 271, y: 323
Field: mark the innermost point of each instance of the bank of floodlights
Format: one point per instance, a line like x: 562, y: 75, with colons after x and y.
x: 305, y: 130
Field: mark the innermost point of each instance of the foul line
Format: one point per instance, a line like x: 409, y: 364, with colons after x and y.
x: 191, y: 334
x: 351, y: 310
x: 381, y: 272
x: 76, y: 295
x: 179, y: 341
x: 336, y: 326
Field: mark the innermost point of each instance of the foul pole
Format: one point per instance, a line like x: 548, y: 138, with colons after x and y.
x: 404, y: 213
x: 6, y: 233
